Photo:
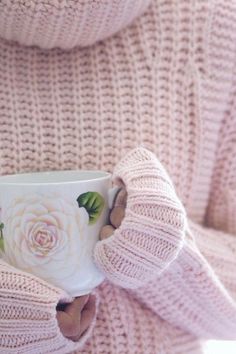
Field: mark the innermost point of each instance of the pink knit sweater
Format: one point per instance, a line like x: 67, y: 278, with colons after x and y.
x: 155, y: 103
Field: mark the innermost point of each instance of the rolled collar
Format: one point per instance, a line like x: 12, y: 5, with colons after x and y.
x: 65, y: 23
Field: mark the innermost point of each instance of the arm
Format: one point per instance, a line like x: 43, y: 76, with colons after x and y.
x: 28, y: 315
x: 194, y: 294
x: 185, y: 289
x: 205, y: 270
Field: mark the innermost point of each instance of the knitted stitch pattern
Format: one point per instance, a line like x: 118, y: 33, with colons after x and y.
x: 65, y: 24
x: 152, y: 233
x: 165, y: 83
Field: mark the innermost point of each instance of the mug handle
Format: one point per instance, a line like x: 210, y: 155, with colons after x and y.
x: 112, y: 193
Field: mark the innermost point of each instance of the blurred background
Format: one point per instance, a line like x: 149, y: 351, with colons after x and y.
x: 220, y: 347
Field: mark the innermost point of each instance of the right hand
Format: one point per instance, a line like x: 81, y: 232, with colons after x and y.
x: 28, y: 303
x: 76, y: 317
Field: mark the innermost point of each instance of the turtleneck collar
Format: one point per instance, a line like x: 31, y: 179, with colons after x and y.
x: 65, y: 23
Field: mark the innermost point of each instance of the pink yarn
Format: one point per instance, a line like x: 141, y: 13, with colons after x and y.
x: 66, y: 24
x: 152, y: 232
x: 28, y: 321
x: 149, y: 253
x: 155, y: 104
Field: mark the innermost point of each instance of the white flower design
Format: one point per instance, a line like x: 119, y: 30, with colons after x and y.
x: 44, y: 235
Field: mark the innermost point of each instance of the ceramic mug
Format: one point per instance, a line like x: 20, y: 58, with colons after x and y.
x: 50, y: 223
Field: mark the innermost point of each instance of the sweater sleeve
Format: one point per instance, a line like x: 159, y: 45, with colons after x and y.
x: 152, y: 232
x: 198, y: 291
x: 195, y: 287
x: 28, y: 321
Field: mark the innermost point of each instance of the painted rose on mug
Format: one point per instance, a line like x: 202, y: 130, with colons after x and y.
x: 41, y: 232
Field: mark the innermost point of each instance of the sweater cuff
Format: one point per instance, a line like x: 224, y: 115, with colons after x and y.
x: 28, y: 321
x: 152, y: 232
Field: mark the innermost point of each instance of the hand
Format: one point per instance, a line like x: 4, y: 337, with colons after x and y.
x: 75, y: 318
x: 116, y: 215
x: 150, y: 236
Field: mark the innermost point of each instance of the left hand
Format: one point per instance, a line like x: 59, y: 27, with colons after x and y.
x: 75, y: 318
x: 117, y: 214
x: 150, y: 236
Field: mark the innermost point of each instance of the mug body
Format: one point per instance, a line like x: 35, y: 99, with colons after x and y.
x: 50, y: 223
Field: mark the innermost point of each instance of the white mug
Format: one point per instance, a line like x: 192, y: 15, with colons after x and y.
x: 50, y: 223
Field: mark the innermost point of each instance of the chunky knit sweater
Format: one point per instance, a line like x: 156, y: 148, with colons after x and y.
x: 147, y: 92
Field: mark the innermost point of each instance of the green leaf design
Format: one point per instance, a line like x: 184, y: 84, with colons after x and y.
x: 2, y: 244
x: 1, y: 237
x: 94, y: 203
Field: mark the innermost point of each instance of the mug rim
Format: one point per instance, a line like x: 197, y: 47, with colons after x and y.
x: 13, y: 179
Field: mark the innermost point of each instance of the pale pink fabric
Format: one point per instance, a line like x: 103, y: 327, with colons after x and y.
x: 28, y: 321
x: 63, y: 23
x: 153, y: 230
x: 167, y: 84
x: 147, y: 244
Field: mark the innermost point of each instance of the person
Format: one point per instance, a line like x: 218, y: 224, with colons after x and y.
x: 145, y: 90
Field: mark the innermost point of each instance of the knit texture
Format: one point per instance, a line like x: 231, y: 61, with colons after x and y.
x: 150, y: 232
x: 63, y: 23
x: 153, y: 229
x: 28, y: 321
x: 165, y: 83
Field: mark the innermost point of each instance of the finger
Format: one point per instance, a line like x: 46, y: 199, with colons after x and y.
x: 106, y: 232
x: 68, y: 326
x: 87, y: 317
x: 117, y: 215
x: 69, y: 319
x: 88, y: 314
x: 74, y: 308
x: 121, y: 198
